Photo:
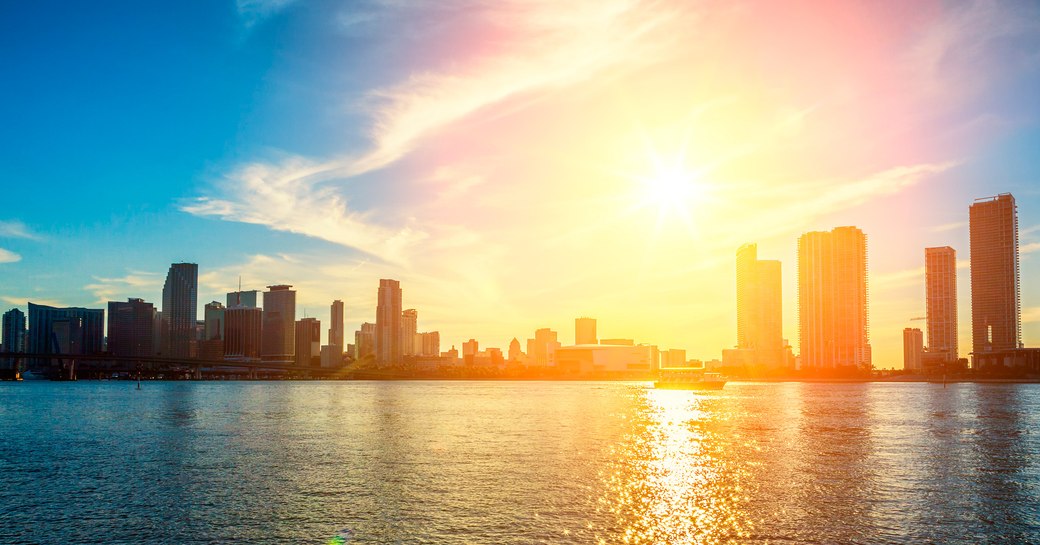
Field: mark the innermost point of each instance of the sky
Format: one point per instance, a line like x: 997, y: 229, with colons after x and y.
x: 515, y: 164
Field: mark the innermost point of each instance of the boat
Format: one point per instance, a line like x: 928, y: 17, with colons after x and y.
x: 689, y: 381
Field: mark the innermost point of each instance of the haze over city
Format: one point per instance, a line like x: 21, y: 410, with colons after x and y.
x: 514, y: 165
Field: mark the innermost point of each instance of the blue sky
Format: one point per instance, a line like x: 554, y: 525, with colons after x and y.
x: 489, y: 154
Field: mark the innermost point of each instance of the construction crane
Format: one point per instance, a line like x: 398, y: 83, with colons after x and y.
x: 919, y: 318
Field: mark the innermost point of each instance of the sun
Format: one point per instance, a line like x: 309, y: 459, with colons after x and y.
x: 671, y: 187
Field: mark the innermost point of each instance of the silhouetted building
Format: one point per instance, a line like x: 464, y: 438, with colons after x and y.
x: 913, y: 349
x: 673, y: 358
x: 995, y: 306
x: 832, y: 299
x: 585, y: 331
x: 365, y: 341
x: 514, y: 350
x: 214, y: 323
x: 409, y: 329
x: 14, y: 331
x: 308, y: 342
x: 759, y: 309
x: 336, y: 341
x: 541, y: 350
x: 431, y: 343
x: 618, y: 342
x: 70, y: 330
x: 242, y: 299
x: 243, y: 329
x: 331, y: 356
x: 279, y: 324
x: 469, y: 351
x: 941, y: 301
x: 180, y: 310
x: 130, y: 328
x: 388, y: 348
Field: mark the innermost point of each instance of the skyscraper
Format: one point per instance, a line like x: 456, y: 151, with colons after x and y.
x: 759, y: 308
x: 365, y: 341
x: 180, y: 310
x: 243, y: 328
x: 585, y: 331
x: 388, y: 323
x: 214, y: 316
x: 14, y: 331
x: 409, y: 329
x: 832, y: 299
x: 913, y: 348
x: 308, y: 342
x: 70, y: 330
x: 541, y: 350
x: 431, y: 343
x: 940, y: 265
x: 336, y: 328
x: 995, y: 306
x: 130, y: 328
x: 279, y: 332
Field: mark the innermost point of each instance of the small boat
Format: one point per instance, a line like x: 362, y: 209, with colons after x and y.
x: 688, y: 381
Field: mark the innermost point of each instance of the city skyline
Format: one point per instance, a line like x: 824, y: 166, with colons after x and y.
x: 486, y: 185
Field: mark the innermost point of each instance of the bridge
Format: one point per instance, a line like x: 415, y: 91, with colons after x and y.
x: 71, y: 365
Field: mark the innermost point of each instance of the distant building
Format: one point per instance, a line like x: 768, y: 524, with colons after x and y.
x: 71, y: 330
x: 941, y: 301
x: 242, y: 299
x: 130, y: 327
x: 388, y: 349
x: 759, y: 309
x: 279, y: 332
x: 331, y: 356
x: 430, y: 343
x: 913, y: 348
x: 409, y: 329
x: 365, y: 341
x: 541, y: 350
x: 514, y: 350
x: 14, y: 331
x: 673, y: 358
x: 214, y: 322
x: 180, y: 310
x: 618, y: 342
x: 995, y: 306
x: 243, y: 333
x: 605, y: 360
x: 585, y: 331
x: 832, y: 299
x: 336, y: 340
x: 469, y: 351
x: 308, y: 342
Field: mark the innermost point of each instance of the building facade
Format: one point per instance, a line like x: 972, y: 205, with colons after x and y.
x: 130, y: 328
x: 995, y: 306
x: 71, y: 330
x: 308, y: 342
x: 180, y: 310
x: 832, y: 300
x: 409, y: 329
x: 585, y: 331
x: 940, y: 266
x: 14, y: 331
x: 759, y: 308
x: 279, y: 332
x: 913, y: 349
x: 336, y: 341
x: 243, y: 331
x: 388, y: 349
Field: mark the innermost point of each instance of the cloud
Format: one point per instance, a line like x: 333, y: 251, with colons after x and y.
x: 1029, y: 248
x: 254, y: 11
x: 7, y: 256
x: 145, y: 285
x: 23, y: 301
x: 949, y: 226
x: 1030, y: 315
x: 17, y: 229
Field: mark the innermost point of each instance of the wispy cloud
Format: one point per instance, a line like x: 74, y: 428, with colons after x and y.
x: 135, y: 284
x: 1029, y: 248
x: 254, y: 11
x: 7, y: 256
x: 23, y: 301
x: 17, y: 229
x: 949, y: 226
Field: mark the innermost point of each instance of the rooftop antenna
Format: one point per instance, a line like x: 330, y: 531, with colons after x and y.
x: 238, y: 294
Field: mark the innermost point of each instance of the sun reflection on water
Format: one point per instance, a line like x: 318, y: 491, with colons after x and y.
x: 670, y: 481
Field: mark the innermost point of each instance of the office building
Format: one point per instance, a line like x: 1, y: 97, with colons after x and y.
x: 388, y: 348
x: 913, y: 349
x: 180, y: 310
x: 995, y: 306
x: 336, y: 341
x: 585, y: 331
x: 430, y: 343
x: 941, y: 301
x: 541, y: 350
x: 214, y: 321
x: 409, y: 329
x: 832, y: 300
x: 14, y: 331
x: 365, y: 342
x: 279, y: 324
x: 759, y: 309
x: 70, y: 330
x: 130, y: 328
x: 243, y: 331
x: 308, y: 342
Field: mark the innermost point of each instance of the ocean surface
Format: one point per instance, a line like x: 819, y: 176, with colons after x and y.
x: 518, y: 462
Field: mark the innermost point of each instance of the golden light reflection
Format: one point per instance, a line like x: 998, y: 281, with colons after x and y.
x: 670, y: 481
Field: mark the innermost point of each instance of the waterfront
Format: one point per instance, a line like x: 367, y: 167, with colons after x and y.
x: 518, y: 462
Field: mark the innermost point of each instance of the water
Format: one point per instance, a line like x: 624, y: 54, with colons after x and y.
x: 518, y: 462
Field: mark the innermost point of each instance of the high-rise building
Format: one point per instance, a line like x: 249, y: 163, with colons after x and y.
x: 388, y: 348
x: 243, y: 331
x: 180, y: 310
x: 431, y: 343
x: 70, y: 330
x: 14, y: 331
x: 940, y: 266
x: 832, y: 299
x: 214, y: 314
x: 585, y: 331
x: 308, y: 342
x: 409, y: 328
x: 279, y: 332
x: 336, y: 343
x: 541, y: 350
x: 365, y: 341
x: 130, y: 327
x: 514, y: 350
x: 759, y: 308
x: 995, y: 305
x: 242, y: 299
x: 913, y: 349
